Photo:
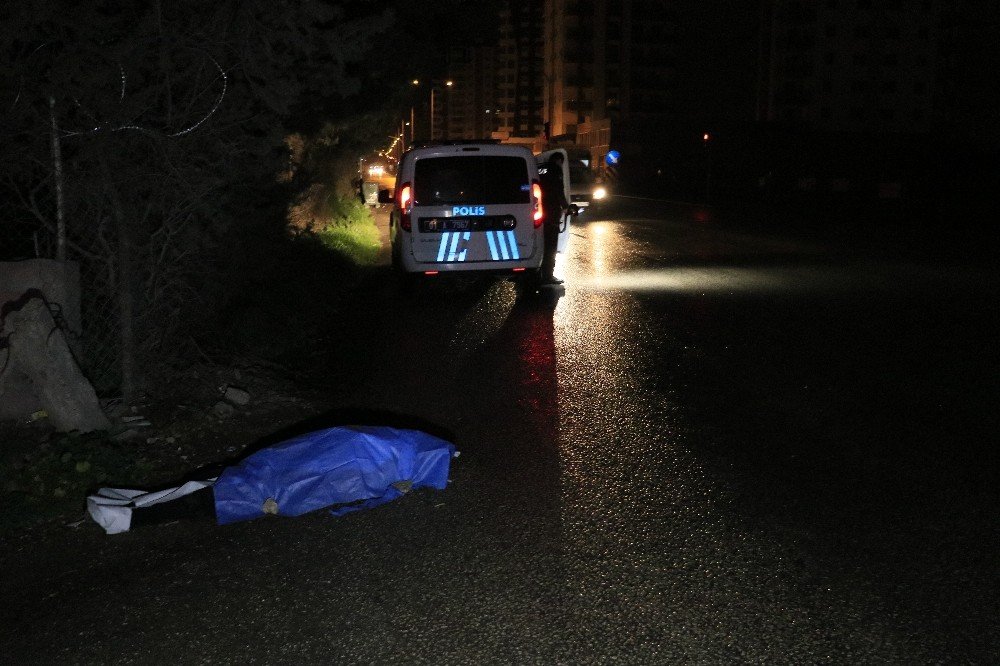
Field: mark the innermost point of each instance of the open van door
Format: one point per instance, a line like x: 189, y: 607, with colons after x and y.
x: 564, y: 226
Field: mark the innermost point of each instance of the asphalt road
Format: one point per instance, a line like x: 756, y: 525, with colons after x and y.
x: 713, y: 446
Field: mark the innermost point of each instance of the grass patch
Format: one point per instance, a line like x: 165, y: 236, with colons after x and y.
x: 54, y: 479
x: 360, y: 243
x: 350, y: 230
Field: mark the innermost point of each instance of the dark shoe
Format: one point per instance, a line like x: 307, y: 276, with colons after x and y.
x: 551, y: 281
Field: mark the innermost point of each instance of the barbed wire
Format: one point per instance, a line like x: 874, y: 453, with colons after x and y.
x: 110, y: 126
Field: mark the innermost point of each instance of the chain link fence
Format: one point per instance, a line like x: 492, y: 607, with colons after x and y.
x: 100, y: 323
x: 25, y: 240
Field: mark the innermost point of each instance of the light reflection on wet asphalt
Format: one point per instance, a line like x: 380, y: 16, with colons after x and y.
x: 667, y: 451
x: 653, y: 554
x: 656, y: 537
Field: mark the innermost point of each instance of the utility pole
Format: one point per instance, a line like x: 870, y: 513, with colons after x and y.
x: 57, y: 167
x: 433, y: 89
x: 706, y: 139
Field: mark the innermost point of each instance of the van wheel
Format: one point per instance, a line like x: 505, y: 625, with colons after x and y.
x: 528, y: 281
x: 394, y: 258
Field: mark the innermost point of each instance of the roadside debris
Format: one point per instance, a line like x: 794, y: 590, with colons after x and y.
x: 114, y: 509
x: 348, y: 468
x: 223, y: 410
x: 237, y: 396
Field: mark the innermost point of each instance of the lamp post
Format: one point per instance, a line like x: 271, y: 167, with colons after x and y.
x: 434, y: 89
x: 706, y: 140
x: 413, y: 120
x: 413, y: 124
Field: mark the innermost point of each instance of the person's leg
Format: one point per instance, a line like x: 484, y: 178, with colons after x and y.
x: 551, y: 234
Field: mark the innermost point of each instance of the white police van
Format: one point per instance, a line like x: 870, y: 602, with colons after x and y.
x: 464, y: 206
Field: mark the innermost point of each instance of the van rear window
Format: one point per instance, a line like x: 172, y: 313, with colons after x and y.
x: 473, y: 179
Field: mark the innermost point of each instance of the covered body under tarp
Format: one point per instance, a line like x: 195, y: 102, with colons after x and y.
x: 356, y: 467
x: 346, y: 467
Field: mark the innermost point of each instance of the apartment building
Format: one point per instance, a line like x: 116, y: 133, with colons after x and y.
x: 608, y: 59
x: 469, y: 106
x: 520, y: 71
x: 609, y: 73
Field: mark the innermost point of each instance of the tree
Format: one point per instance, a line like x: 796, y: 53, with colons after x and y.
x: 161, y: 125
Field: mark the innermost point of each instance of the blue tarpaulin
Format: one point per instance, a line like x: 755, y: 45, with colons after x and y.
x: 357, y: 467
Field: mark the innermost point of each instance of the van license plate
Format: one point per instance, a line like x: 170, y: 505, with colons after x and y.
x: 490, y: 223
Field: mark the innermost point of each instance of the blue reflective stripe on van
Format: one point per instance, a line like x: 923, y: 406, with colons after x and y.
x: 493, y: 246
x: 461, y: 255
x: 503, y: 246
x: 513, y: 245
x: 454, y: 246
x: 443, y: 247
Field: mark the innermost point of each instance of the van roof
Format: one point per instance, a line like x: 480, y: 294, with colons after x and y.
x: 455, y: 142
x: 469, y: 147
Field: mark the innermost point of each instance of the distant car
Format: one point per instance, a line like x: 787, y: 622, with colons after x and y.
x: 466, y: 207
x: 584, y: 188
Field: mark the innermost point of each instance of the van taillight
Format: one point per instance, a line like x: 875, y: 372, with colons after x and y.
x: 536, y: 192
x: 405, y: 206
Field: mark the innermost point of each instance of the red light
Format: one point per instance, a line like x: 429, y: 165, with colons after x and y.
x: 405, y: 207
x: 430, y: 272
x: 518, y: 270
x: 536, y: 192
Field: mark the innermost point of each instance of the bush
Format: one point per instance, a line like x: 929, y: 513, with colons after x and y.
x: 350, y: 230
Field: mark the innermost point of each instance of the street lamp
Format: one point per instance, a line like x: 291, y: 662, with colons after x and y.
x: 435, y: 88
x: 706, y: 140
x: 413, y: 120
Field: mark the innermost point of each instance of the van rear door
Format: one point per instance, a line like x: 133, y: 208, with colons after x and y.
x: 470, y: 208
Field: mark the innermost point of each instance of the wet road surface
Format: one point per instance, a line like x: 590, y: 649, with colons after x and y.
x: 712, y: 446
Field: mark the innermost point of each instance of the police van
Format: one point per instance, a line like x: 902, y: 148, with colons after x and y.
x: 463, y: 206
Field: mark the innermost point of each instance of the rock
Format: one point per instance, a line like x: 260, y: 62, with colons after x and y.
x: 237, y: 396
x: 38, y: 353
x: 223, y: 410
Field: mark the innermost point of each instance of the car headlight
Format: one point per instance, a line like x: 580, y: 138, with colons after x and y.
x: 600, y: 193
